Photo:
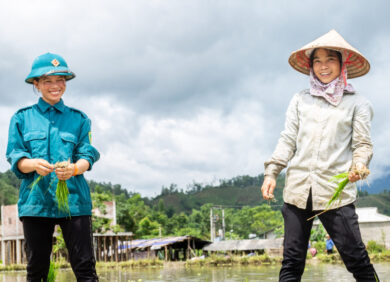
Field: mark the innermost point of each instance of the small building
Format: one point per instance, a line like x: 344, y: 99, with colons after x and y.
x: 373, y: 225
x: 269, y: 234
x: 12, y: 236
x: 270, y: 246
x: 166, y: 248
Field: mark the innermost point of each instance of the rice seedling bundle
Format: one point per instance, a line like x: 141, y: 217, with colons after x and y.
x: 62, y: 191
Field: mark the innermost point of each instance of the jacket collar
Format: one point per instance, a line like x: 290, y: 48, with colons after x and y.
x: 44, y: 106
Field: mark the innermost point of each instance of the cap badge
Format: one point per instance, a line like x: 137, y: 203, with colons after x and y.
x: 55, y: 62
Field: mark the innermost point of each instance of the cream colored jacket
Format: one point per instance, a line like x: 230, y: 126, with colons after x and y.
x: 318, y: 142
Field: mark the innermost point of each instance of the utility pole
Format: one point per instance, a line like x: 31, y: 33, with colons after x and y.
x: 223, y: 224
x: 213, y: 224
x: 212, y: 231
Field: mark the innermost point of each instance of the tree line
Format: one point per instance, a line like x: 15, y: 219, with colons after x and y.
x: 177, y: 211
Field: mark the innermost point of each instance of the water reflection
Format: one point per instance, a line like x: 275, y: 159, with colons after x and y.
x: 319, y: 272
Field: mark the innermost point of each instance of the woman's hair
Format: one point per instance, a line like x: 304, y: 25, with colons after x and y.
x: 39, y: 78
x: 339, y: 56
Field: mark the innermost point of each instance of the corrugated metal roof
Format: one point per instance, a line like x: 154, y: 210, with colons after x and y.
x: 244, y: 245
x: 155, y: 243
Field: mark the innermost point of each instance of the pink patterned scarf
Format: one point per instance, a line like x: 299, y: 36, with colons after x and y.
x: 332, y: 91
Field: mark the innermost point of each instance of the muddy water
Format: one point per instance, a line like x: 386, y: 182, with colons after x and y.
x: 318, y: 273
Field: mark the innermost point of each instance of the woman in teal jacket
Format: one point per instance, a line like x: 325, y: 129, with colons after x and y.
x: 40, y: 136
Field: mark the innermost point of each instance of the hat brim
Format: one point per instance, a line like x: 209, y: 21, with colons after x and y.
x: 65, y: 72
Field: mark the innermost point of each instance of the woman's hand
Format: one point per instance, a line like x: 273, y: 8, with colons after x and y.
x: 358, y: 172
x: 41, y: 166
x: 66, y: 172
x: 267, y: 189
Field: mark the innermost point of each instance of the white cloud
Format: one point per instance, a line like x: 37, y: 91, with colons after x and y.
x: 143, y: 152
x: 185, y: 90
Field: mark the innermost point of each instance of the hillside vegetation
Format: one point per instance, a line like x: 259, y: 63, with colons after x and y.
x: 176, y: 211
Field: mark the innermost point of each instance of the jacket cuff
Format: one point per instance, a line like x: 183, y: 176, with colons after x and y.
x: 89, y: 153
x: 14, y: 165
x: 272, y: 170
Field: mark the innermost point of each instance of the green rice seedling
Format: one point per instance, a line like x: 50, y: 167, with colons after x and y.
x: 62, y: 191
x: 51, y: 276
x: 35, y: 182
x: 62, y: 194
x: 342, y: 180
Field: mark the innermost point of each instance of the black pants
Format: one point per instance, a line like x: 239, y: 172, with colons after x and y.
x: 342, y: 226
x: 77, y: 232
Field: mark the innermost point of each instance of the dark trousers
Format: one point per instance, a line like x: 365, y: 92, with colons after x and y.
x: 77, y: 233
x: 342, y: 226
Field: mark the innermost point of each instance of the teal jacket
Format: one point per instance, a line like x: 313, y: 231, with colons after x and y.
x: 54, y: 133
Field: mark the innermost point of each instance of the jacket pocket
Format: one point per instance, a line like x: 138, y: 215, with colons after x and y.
x: 69, y: 142
x: 37, y: 140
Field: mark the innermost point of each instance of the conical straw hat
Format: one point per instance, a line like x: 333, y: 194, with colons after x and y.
x: 357, y: 65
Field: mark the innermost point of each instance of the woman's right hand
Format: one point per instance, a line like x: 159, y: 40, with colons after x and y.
x: 267, y: 189
x: 43, y: 167
x: 40, y: 166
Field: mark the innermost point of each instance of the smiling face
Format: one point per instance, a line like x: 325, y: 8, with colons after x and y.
x: 326, y: 65
x: 52, y: 88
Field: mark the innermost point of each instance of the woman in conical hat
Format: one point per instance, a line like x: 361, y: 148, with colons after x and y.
x: 40, y: 136
x: 327, y: 132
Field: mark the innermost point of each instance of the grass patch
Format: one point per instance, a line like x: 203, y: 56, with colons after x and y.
x: 130, y: 264
x: 218, y: 260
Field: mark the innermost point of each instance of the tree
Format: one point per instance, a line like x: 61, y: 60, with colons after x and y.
x: 131, y: 211
x: 147, y: 228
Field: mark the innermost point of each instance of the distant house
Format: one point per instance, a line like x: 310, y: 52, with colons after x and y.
x: 12, y: 236
x: 269, y: 234
x: 11, y: 226
x: 270, y: 246
x: 373, y: 225
x: 166, y: 248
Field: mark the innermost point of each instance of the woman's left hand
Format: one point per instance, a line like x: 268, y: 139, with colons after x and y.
x: 353, y: 176
x: 65, y: 173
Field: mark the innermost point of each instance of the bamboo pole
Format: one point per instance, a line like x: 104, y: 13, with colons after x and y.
x: 98, y: 249
x: 111, y: 243
x: 188, y: 248
x: 116, y: 248
x: 105, y: 249
x: 127, y: 248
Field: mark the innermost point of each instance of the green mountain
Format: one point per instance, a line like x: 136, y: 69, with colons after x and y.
x: 236, y: 192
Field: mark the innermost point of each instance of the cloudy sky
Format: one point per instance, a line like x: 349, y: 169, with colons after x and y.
x: 183, y: 91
